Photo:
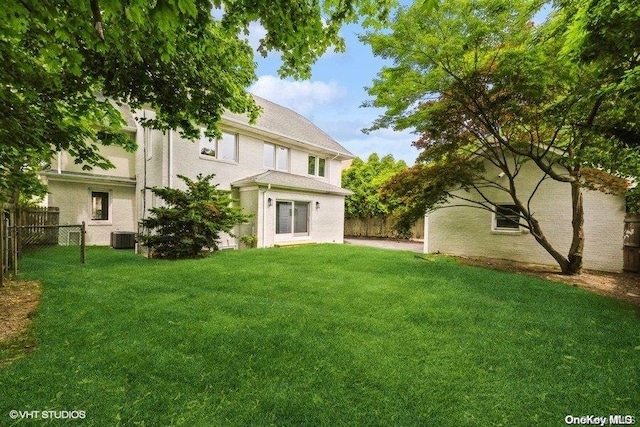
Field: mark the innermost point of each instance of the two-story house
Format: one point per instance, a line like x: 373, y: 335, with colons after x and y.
x: 283, y: 170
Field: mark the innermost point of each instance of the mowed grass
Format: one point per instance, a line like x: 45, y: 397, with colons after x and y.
x: 321, y: 335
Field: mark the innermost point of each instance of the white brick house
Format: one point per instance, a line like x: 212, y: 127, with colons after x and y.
x: 284, y: 171
x: 462, y: 229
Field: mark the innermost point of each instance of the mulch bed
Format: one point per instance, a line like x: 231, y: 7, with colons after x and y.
x: 624, y: 286
x: 18, y: 302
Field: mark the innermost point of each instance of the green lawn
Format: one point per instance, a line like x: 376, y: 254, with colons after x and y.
x: 318, y: 335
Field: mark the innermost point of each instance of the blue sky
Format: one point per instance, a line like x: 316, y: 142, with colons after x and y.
x: 332, y: 97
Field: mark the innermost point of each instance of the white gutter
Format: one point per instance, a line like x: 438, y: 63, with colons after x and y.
x: 170, y: 156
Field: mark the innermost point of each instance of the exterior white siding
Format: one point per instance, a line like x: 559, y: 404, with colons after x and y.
x: 74, y: 201
x: 162, y: 156
x: 466, y: 230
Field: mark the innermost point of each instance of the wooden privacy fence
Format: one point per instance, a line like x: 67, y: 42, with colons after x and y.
x: 632, y: 243
x: 379, y: 227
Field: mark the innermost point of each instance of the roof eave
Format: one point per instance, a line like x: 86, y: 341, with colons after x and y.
x: 277, y: 136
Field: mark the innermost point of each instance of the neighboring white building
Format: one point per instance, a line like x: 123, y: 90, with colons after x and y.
x: 284, y: 170
x: 470, y: 231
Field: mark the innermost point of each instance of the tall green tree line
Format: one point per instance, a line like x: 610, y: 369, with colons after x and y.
x: 365, y: 179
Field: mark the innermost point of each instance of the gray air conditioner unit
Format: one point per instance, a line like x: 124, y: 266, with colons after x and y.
x: 123, y: 239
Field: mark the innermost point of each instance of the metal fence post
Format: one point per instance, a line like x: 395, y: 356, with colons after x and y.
x: 2, y: 248
x: 83, y: 245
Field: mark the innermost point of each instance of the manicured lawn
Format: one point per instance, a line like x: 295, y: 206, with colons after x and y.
x: 320, y: 335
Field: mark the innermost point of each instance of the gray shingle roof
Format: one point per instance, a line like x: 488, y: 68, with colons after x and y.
x: 289, y: 181
x: 286, y: 122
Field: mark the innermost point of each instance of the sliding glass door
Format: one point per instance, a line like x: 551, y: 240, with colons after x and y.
x: 292, y: 218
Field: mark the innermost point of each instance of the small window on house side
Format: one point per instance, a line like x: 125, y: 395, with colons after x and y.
x: 276, y: 157
x: 228, y: 147
x: 311, y: 168
x: 282, y: 158
x: 99, y: 206
x: 316, y: 166
x: 225, y: 148
x: 321, y: 166
x: 506, y: 218
x: 269, y: 155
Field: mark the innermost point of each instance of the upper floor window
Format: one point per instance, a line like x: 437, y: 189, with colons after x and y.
x: 225, y: 148
x: 276, y: 157
x: 316, y: 166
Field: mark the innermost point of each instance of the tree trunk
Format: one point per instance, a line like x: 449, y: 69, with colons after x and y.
x: 577, y: 223
x: 572, y: 264
x: 538, y: 234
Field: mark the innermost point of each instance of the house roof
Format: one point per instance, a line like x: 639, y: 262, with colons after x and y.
x: 295, y: 128
x: 282, y: 180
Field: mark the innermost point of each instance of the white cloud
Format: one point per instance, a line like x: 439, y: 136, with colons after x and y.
x: 256, y: 33
x: 301, y: 96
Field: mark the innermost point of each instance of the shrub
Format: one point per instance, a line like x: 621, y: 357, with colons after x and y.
x: 191, y: 220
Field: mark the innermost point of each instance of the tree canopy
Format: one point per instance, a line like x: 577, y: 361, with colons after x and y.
x: 483, y: 85
x: 366, y: 179
x: 64, y: 61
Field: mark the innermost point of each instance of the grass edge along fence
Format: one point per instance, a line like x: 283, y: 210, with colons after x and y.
x: 15, y: 239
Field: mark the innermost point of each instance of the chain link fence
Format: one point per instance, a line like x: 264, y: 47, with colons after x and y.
x: 38, y: 239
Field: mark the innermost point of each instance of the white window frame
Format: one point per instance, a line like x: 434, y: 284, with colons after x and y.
x: 503, y: 230
x: 109, y: 219
x: 215, y: 143
x: 292, y: 233
x: 316, y: 167
x: 274, y: 161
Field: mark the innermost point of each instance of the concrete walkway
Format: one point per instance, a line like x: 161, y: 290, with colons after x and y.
x: 401, y: 245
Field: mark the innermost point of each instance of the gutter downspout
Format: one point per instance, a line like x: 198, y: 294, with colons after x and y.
x: 170, y: 158
x: 265, y: 206
x: 145, y: 136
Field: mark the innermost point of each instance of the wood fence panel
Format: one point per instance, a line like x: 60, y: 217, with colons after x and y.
x: 37, y: 223
x: 379, y: 227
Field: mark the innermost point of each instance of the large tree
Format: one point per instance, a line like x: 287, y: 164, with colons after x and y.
x: 481, y: 84
x: 172, y: 55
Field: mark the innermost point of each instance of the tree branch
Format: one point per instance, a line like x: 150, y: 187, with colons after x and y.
x: 97, y: 18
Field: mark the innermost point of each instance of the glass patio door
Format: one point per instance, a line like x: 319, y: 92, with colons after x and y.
x: 292, y: 218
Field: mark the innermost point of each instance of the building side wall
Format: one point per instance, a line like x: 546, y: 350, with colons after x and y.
x: 188, y: 161
x: 326, y: 222
x: 467, y: 230
x: 123, y: 161
x: 161, y: 157
x: 74, y: 201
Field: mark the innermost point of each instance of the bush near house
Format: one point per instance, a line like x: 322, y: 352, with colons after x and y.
x: 191, y: 220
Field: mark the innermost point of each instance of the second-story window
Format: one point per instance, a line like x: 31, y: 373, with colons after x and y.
x: 276, y: 157
x: 225, y: 148
x: 316, y: 166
